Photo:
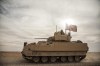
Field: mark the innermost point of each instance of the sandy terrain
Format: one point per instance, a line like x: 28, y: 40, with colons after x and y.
x: 15, y: 59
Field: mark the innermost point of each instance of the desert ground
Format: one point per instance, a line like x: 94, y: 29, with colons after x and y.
x: 15, y: 59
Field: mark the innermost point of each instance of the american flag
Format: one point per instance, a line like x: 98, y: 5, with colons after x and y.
x: 71, y: 28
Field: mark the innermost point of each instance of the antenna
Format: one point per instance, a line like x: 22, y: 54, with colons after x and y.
x: 65, y: 31
x: 56, y: 28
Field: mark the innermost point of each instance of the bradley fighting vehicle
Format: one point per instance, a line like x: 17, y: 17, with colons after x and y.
x: 57, y: 47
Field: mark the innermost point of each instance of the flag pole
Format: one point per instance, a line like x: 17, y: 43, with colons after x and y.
x: 65, y: 31
x: 66, y: 28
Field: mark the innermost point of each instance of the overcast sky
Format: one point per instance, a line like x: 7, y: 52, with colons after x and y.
x: 24, y: 20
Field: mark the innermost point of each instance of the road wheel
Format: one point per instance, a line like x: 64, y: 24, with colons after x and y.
x: 53, y: 59
x: 36, y: 59
x: 63, y: 59
x: 70, y: 58
x: 82, y: 57
x: 44, y: 59
x: 77, y: 58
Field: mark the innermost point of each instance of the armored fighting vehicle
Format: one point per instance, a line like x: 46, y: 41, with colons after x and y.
x: 57, y: 48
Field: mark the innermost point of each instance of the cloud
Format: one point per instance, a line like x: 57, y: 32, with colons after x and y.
x: 25, y: 20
